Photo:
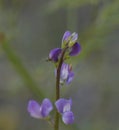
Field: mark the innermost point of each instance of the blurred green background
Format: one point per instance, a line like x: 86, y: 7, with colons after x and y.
x: 31, y: 29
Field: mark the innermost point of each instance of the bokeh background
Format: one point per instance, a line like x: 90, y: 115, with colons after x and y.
x: 30, y: 29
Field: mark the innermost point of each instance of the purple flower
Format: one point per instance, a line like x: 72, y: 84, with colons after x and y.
x: 64, y: 108
x: 55, y: 54
x: 66, y: 36
x: 74, y: 37
x: 39, y: 111
x: 69, y: 39
x: 63, y: 105
x: 75, y: 49
x: 68, y: 117
x: 66, y: 73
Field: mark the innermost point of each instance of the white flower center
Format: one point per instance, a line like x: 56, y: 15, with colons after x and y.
x: 64, y: 73
x: 67, y: 107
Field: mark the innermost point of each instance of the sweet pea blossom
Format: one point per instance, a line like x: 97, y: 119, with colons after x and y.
x: 55, y: 54
x: 64, y: 108
x: 39, y: 111
x: 68, y: 117
x: 66, y: 73
x: 70, y: 41
x: 66, y: 36
x: 75, y: 49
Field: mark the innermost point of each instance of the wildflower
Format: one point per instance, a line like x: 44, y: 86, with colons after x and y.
x: 39, y: 111
x: 75, y: 49
x: 69, y: 39
x: 55, y: 54
x: 64, y: 108
x: 68, y: 117
x: 66, y: 73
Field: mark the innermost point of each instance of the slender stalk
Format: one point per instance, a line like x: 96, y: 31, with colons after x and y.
x: 22, y: 71
x: 56, y: 125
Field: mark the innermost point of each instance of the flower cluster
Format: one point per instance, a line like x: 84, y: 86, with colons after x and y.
x: 69, y: 42
x: 66, y: 74
x: 64, y: 108
x: 40, y: 111
x: 70, y: 47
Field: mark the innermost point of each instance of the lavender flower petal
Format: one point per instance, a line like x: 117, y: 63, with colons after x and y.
x: 68, y: 117
x: 75, y: 49
x: 63, y: 105
x: 34, y: 109
x: 46, y: 107
x: 64, y: 71
x: 54, y: 54
x: 74, y: 37
x: 70, y: 77
x: 66, y: 35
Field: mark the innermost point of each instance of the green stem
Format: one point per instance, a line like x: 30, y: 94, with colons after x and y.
x: 16, y: 62
x: 56, y: 125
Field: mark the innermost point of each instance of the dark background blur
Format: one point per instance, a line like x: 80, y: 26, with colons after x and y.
x: 31, y: 29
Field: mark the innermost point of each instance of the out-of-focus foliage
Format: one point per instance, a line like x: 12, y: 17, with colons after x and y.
x: 57, y: 4
x: 106, y: 21
x: 8, y: 118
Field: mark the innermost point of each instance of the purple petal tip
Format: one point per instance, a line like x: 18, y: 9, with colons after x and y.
x: 39, y: 111
x: 75, y: 49
x: 63, y: 105
x: 68, y: 117
x: 34, y: 109
x: 54, y: 54
x: 66, y: 35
